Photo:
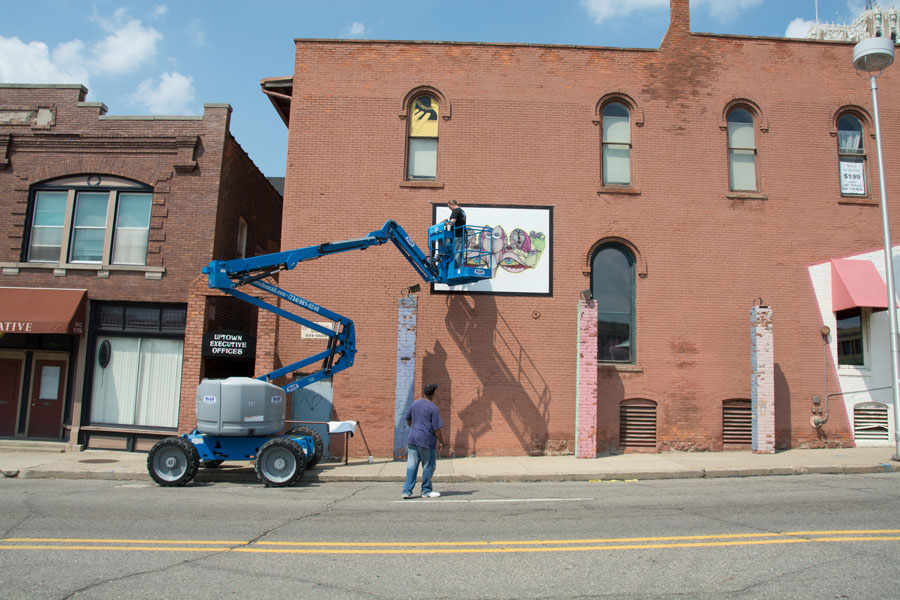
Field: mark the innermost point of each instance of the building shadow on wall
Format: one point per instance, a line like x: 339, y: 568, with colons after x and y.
x: 784, y: 431
x: 509, y: 383
x: 610, y: 398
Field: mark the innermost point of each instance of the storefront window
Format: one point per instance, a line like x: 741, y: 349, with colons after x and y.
x: 137, y: 362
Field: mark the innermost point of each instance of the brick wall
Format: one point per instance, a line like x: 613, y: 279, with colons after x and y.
x: 521, y: 128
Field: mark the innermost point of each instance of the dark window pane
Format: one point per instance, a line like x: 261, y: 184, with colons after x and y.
x: 112, y: 317
x: 850, y: 338
x: 140, y: 317
x: 612, y: 280
x: 614, y: 337
x: 173, y: 319
x: 612, y: 286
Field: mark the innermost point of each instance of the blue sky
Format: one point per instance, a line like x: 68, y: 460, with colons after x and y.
x: 169, y: 57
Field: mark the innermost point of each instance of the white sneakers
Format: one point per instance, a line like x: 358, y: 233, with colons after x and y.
x: 406, y: 496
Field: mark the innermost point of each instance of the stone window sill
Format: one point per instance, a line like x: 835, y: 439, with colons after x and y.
x: 60, y: 270
x: 614, y: 189
x: 858, y: 201
x: 422, y: 184
x: 738, y: 196
x: 620, y: 367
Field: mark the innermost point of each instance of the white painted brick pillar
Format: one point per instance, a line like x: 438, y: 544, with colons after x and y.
x: 762, y: 358
x: 586, y: 386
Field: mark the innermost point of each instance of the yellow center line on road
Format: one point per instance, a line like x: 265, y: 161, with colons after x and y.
x: 588, y: 541
x: 119, y: 541
x: 120, y: 548
x: 470, y: 547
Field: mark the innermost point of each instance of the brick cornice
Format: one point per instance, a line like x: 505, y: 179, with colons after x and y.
x: 97, y: 143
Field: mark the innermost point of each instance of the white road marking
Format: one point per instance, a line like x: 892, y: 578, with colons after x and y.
x: 447, y: 500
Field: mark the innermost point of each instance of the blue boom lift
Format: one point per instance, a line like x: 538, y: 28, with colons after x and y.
x: 240, y: 418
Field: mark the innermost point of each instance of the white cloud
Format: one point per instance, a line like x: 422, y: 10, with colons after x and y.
x: 171, y: 94
x: 721, y: 10
x: 34, y: 63
x: 159, y: 10
x: 798, y: 28
x: 602, y: 10
x: 196, y: 32
x: 127, y: 47
x: 355, y: 29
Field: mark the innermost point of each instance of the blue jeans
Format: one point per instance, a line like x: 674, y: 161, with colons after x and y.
x: 458, y: 254
x: 416, y: 455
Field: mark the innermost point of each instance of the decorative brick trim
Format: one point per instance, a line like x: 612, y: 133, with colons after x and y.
x: 637, y: 113
x: 422, y: 90
x: 640, y: 261
x: 187, y: 147
x: 761, y: 120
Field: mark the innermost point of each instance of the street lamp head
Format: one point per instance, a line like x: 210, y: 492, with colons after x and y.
x: 873, y: 55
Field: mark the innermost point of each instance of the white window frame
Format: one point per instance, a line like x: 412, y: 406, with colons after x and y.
x: 422, y: 151
x: 852, y: 157
x: 73, y: 186
x: 609, y: 145
x: 735, y: 150
x: 242, y: 238
x: 865, y: 319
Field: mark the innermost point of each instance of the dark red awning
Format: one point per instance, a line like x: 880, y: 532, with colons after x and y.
x: 41, y: 310
x: 856, y: 283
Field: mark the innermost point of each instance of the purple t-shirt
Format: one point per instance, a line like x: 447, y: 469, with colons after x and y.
x: 425, y: 420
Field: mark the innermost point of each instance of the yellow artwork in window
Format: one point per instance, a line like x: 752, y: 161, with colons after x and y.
x: 424, y: 119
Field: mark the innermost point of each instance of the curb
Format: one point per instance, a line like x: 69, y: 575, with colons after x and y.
x: 248, y: 475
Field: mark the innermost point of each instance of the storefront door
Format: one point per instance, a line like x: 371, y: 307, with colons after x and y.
x: 48, y: 389
x: 11, y: 366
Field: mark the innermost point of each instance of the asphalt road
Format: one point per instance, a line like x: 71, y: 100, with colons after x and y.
x: 811, y: 536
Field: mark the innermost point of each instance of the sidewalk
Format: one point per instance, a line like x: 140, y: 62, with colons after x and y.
x: 31, y: 463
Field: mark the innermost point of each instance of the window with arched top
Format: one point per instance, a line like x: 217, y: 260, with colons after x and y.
x: 97, y: 219
x: 612, y: 287
x: 615, y: 121
x: 851, y: 156
x: 422, y: 138
x: 741, y: 151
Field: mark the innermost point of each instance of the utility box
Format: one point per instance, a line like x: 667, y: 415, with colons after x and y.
x: 239, y: 406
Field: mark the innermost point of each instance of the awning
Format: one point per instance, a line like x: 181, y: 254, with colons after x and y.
x: 856, y: 283
x: 41, y: 310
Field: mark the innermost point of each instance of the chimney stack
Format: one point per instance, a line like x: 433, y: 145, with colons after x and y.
x: 680, y: 15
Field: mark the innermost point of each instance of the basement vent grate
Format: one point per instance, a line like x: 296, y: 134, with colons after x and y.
x: 637, y: 425
x: 870, y: 421
x: 737, y: 423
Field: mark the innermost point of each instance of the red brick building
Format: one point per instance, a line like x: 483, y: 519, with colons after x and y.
x: 107, y: 223
x: 683, y: 186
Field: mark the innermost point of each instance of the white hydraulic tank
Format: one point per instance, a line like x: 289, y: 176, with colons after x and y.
x: 239, y: 406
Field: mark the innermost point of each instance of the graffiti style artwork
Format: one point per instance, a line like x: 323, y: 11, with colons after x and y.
x: 515, y: 253
x: 519, y: 243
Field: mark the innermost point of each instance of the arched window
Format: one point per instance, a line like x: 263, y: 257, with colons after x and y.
x: 852, y: 156
x: 423, y: 139
x: 109, y: 216
x: 616, y: 127
x: 741, y: 151
x: 612, y: 286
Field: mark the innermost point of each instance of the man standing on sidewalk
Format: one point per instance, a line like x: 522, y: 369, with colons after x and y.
x: 424, y: 442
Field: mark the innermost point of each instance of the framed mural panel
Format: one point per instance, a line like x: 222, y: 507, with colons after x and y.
x: 521, y: 246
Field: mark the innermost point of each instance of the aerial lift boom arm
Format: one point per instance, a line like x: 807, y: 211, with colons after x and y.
x: 443, y: 266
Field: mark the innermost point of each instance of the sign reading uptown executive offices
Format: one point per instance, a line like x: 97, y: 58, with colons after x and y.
x: 228, y: 343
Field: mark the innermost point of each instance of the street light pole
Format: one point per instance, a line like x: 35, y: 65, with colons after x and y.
x: 872, y: 56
